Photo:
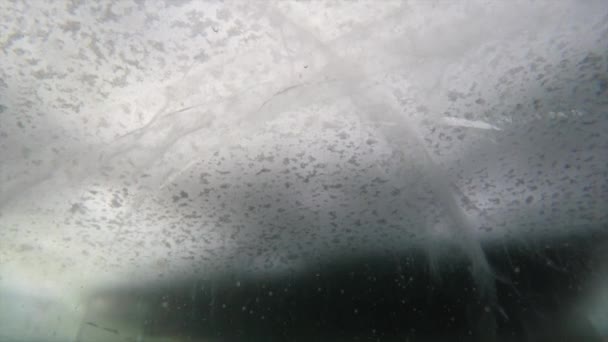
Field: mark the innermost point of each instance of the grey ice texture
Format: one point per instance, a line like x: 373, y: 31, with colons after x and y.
x: 149, y: 139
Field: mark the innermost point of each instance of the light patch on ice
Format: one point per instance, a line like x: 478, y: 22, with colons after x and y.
x: 460, y: 122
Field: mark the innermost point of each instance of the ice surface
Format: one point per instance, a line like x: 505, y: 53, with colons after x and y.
x: 155, y: 140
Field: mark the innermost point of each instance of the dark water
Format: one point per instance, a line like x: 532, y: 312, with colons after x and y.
x: 539, y: 285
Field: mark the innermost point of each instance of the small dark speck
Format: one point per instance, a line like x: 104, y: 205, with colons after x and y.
x: 25, y: 248
x: 116, y: 203
x: 77, y: 208
x: 114, y: 331
x: 264, y: 170
x: 589, y: 159
x: 343, y: 135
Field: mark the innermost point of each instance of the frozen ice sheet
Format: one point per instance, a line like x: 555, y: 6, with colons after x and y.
x: 146, y: 141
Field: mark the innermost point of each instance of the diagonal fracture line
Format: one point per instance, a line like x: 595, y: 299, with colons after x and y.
x: 440, y: 183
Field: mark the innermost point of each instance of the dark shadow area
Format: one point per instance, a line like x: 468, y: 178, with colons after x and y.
x: 378, y: 298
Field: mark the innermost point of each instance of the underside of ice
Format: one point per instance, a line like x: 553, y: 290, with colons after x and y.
x: 156, y: 140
